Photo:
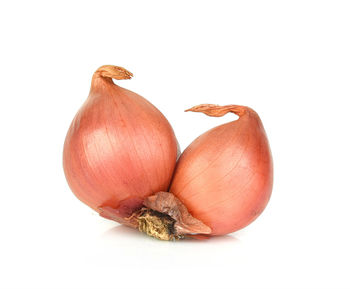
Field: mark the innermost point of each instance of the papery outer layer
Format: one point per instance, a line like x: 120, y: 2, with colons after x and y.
x: 165, y: 203
x: 224, y: 177
x: 119, y: 148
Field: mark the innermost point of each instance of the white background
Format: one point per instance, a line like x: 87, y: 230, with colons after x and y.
x: 289, y: 60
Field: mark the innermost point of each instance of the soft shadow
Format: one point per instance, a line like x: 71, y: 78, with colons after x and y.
x: 121, y: 242
x: 214, y: 239
x: 121, y: 230
x: 127, y: 232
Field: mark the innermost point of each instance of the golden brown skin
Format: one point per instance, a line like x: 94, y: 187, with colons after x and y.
x: 225, y: 176
x: 119, y: 148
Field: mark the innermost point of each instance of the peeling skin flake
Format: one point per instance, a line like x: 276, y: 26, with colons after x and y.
x: 165, y: 203
x: 114, y: 215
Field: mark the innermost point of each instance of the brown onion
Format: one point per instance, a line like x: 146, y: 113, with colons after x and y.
x: 119, y: 148
x: 119, y: 158
x: 224, y: 177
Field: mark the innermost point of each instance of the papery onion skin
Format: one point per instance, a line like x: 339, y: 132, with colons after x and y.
x: 225, y: 176
x: 119, y: 148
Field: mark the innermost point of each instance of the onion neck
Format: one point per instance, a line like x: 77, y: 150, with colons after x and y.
x: 106, y: 73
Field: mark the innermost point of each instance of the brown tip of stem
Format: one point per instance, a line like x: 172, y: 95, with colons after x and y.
x: 217, y: 110
x: 112, y: 71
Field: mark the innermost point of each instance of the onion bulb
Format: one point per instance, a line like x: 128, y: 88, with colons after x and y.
x: 119, y: 156
x: 224, y: 177
x: 119, y: 148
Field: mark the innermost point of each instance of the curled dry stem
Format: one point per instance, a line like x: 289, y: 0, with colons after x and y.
x: 112, y: 71
x: 217, y: 110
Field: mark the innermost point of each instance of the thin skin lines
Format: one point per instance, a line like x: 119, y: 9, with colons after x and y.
x: 238, y: 160
x: 211, y: 162
x: 199, y: 173
x: 131, y: 141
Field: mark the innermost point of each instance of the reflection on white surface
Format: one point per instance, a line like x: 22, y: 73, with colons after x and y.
x: 130, y: 232
x: 132, y: 246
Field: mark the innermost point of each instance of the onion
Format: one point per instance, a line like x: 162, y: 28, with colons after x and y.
x: 224, y: 177
x: 119, y: 148
x: 120, y: 154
